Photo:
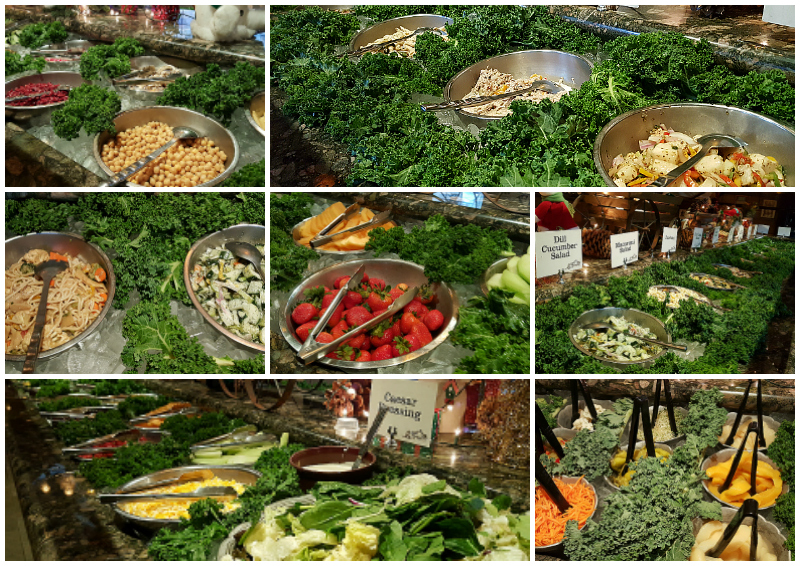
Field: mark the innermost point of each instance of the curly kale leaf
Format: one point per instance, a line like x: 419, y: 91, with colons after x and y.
x: 16, y: 64
x: 113, y: 59
x: 251, y: 175
x: 37, y: 215
x: 36, y: 35
x: 89, y: 107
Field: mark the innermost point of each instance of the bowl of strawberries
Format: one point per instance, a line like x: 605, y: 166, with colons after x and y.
x: 414, y: 331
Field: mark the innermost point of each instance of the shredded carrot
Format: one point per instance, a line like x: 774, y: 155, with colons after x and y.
x: 550, y: 523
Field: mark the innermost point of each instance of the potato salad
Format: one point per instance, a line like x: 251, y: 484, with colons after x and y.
x: 666, y: 149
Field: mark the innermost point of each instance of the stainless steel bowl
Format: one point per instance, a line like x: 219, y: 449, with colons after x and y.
x: 724, y: 456
x: 565, y: 414
x: 77, y: 247
x: 631, y: 315
x: 250, y: 233
x: 769, y: 422
x: 393, y: 271
x: 672, y: 442
x: 766, y: 531
x: 173, y: 117
x: 558, y: 547
x: 55, y: 77
x: 240, y: 474
x: 573, y: 70
x: 374, y: 33
x: 75, y: 45
x: 763, y: 135
x: 257, y: 103
x: 497, y: 267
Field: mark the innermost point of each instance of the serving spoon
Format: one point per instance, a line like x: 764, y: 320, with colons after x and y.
x: 46, y: 272
x: 544, y: 85
x: 179, y: 133
x: 707, y: 142
x: 247, y: 252
x: 605, y: 326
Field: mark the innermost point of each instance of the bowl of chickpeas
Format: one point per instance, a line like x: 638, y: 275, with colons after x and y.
x: 205, y: 161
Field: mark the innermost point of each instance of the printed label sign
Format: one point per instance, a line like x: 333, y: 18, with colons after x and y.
x: 784, y: 231
x: 669, y: 242
x: 558, y: 250
x: 624, y: 248
x: 411, y: 408
x: 715, y: 237
x: 697, y: 238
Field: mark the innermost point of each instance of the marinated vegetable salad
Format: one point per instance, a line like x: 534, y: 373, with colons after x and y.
x: 618, y: 347
x: 232, y: 292
x: 666, y: 149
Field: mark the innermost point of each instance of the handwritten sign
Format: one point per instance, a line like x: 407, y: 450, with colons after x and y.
x: 558, y: 250
x: 624, y: 249
x: 669, y: 242
x: 784, y: 231
x: 411, y: 408
x: 697, y: 238
x: 715, y: 236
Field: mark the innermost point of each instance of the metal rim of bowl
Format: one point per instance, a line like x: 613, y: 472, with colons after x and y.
x: 445, y: 21
x: 160, y: 523
x: 219, y: 179
x: 489, y: 119
x: 767, y: 529
x: 496, y: 267
x: 202, y: 244
x: 674, y: 439
x: 596, y: 154
x: 444, y: 332
x: 555, y: 546
x: 327, y: 252
x: 631, y: 363
x: 72, y: 75
x: 732, y: 452
x: 767, y: 421
x: 248, y: 112
x: 111, y: 285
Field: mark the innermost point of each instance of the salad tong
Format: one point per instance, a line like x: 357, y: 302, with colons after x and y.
x: 323, y: 237
x: 544, y: 85
x: 708, y: 141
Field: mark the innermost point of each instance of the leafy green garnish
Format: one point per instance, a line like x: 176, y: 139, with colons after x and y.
x: 251, y: 175
x: 89, y: 107
x: 113, y: 59
x: 36, y: 35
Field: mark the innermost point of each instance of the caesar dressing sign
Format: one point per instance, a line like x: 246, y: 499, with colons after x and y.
x: 558, y: 250
x: 411, y: 406
x: 624, y: 249
x: 669, y: 241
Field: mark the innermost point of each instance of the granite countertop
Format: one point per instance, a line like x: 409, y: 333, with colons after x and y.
x: 740, y: 39
x: 65, y: 521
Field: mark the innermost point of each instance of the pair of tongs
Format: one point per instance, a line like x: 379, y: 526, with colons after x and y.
x: 707, y: 142
x: 312, y: 350
x: 379, y: 46
x: 63, y: 88
x: 323, y: 237
x: 544, y: 85
x: 224, y: 492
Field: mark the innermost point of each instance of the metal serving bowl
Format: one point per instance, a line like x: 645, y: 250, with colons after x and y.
x: 374, y: 33
x: 724, y: 456
x: 328, y: 252
x: 240, y: 474
x: 559, y: 546
x: 565, y: 414
x: 173, y: 117
x: 59, y: 78
x: 763, y: 135
x: 250, y: 233
x: 766, y: 531
x: 257, y: 103
x: 672, y: 442
x: 769, y: 422
x: 640, y: 444
x: 497, y: 267
x: 75, y: 246
x: 631, y: 315
x: 573, y: 70
x: 393, y: 271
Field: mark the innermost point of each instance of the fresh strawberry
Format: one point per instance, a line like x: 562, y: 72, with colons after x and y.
x: 379, y: 312
x: 379, y: 300
x: 382, y: 353
x: 407, y: 322
x: 328, y: 299
x: 304, y: 312
x: 345, y: 353
x: 400, y: 347
x: 352, y: 299
x: 382, y: 334
x: 413, y: 342
x: 341, y: 281
x: 433, y: 320
x: 363, y: 356
x: 335, y: 317
x: 357, y: 316
x: 421, y: 331
x: 376, y: 283
x: 365, y: 278
x: 324, y: 338
x: 339, y: 330
x: 396, y: 327
x: 304, y: 329
x: 396, y: 293
x: 314, y: 295
x: 417, y: 308
x: 360, y: 342
x: 426, y: 295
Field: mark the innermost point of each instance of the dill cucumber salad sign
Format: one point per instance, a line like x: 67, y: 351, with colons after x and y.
x: 411, y: 408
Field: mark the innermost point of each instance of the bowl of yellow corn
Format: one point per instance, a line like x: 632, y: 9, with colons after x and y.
x: 157, y: 514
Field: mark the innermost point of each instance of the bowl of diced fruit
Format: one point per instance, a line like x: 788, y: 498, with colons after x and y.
x: 419, y: 328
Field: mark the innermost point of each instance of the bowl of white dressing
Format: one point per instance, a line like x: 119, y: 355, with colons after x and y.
x: 331, y: 463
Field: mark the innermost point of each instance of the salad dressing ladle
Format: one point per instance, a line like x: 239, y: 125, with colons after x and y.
x: 604, y: 326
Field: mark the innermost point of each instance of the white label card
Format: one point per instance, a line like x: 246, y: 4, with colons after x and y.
x: 411, y: 408
x: 697, y: 238
x: 624, y: 248
x: 669, y: 243
x: 784, y: 231
x: 715, y: 237
x: 558, y: 250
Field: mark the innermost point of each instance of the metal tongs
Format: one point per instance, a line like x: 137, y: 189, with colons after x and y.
x: 323, y: 237
x: 379, y: 46
x: 544, y: 85
x: 145, y: 419
x: 202, y: 493
x: 708, y: 141
x: 240, y: 437
x: 312, y: 350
